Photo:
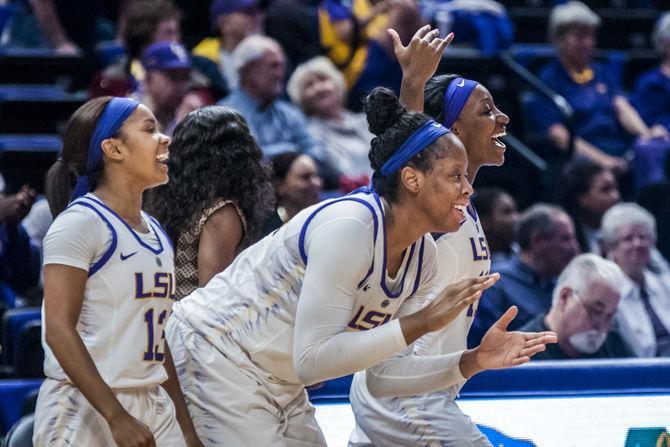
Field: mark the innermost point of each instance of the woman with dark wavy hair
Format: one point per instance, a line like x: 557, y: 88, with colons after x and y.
x: 218, y: 196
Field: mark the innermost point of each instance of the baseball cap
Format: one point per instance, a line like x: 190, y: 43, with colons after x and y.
x: 165, y: 56
x: 220, y: 7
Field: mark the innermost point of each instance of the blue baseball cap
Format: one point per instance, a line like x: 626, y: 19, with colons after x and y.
x: 165, y: 56
x: 221, y: 7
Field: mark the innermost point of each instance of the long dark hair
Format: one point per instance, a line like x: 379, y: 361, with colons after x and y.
x: 393, y: 124
x: 72, y: 160
x: 213, y: 156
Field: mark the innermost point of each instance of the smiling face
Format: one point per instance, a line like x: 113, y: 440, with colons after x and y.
x: 480, y: 126
x: 444, y: 192
x: 143, y: 149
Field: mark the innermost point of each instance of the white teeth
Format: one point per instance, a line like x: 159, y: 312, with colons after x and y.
x: 461, y: 208
x: 162, y: 158
x: 499, y: 134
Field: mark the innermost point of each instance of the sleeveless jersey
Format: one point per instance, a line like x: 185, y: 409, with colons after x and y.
x: 253, y: 302
x: 127, y: 300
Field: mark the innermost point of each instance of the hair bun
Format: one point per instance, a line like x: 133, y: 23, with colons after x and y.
x: 383, y: 110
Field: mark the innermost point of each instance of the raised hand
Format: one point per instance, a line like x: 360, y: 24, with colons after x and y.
x: 502, y: 349
x: 420, y: 58
x: 456, y: 298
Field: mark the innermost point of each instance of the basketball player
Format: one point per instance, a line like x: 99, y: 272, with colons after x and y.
x: 390, y: 405
x: 108, y: 289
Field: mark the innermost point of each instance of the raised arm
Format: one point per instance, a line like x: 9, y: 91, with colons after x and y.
x: 419, y: 61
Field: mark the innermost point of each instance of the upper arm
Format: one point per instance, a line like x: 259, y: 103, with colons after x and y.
x: 64, y: 287
x: 75, y: 241
x: 219, y: 239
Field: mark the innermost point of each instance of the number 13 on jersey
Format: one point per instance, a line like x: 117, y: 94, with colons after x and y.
x: 155, y: 325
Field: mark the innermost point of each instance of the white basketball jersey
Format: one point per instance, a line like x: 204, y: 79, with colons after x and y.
x: 461, y: 255
x: 127, y: 301
x: 254, y: 301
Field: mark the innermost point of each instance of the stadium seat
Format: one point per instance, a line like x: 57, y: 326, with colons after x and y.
x: 12, y: 393
x: 36, y: 109
x: 28, y: 351
x: 25, y: 159
x: 21, y: 434
x: 13, y: 322
x: 38, y: 66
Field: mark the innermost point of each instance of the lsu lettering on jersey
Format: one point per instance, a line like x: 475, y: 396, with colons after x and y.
x: 461, y: 255
x: 128, y: 297
x: 253, y: 303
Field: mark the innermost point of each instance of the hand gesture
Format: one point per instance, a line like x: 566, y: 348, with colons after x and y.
x: 129, y: 432
x: 15, y: 207
x: 502, y: 349
x: 419, y: 59
x: 456, y: 298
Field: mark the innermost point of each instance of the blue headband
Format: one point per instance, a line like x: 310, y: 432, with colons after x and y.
x: 115, y: 114
x: 417, y: 142
x: 455, y: 97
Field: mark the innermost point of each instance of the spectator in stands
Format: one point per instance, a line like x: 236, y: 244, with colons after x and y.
x: 234, y: 20
x: 277, y: 125
x: 166, y: 85
x: 604, y: 121
x: 354, y: 34
x: 546, y: 236
x: 629, y: 234
x: 586, y: 191
x: 69, y: 26
x: 585, y: 301
x: 297, y: 185
x: 656, y: 199
x: 318, y: 88
x: 145, y: 22
x: 19, y: 258
x: 223, y: 190
x: 651, y: 96
x: 498, y: 213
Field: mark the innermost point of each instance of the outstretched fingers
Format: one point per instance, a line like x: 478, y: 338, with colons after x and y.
x: 444, y: 43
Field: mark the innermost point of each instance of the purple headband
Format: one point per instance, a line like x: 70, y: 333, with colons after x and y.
x: 455, y: 97
x: 115, y: 114
x: 418, y: 141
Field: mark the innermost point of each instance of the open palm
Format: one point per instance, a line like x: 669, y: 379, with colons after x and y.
x: 502, y: 349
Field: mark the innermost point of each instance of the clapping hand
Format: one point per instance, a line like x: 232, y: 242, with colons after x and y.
x: 502, y: 349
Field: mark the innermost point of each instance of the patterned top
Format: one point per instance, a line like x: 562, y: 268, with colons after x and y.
x: 186, y: 256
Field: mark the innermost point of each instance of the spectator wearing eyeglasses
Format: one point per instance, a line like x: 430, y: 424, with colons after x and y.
x: 585, y: 302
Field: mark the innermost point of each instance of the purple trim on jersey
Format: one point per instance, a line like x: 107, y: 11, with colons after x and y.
x: 472, y: 212
x: 419, y: 266
x: 160, y: 227
x: 155, y: 251
x: 112, y: 247
x: 303, y: 231
x: 382, y: 281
